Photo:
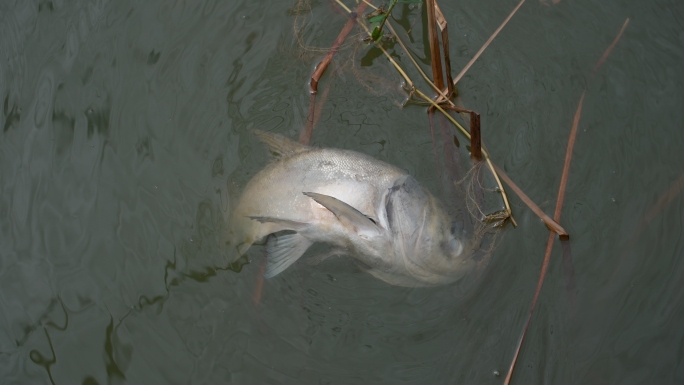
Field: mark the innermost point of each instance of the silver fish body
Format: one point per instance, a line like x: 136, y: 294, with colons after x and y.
x: 364, y: 207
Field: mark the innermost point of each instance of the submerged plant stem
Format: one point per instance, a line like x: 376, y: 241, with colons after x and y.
x: 549, y: 243
x: 484, y: 152
x: 559, y: 205
x: 307, y: 132
x: 610, y: 48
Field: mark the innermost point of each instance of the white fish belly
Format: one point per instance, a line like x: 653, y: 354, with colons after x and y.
x: 277, y: 191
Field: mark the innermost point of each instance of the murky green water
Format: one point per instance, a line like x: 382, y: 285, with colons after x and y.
x: 125, y: 138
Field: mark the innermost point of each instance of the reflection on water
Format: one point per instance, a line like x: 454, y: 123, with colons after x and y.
x: 124, y: 141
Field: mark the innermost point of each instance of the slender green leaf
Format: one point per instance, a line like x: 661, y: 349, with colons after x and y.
x: 376, y: 33
x: 377, y: 19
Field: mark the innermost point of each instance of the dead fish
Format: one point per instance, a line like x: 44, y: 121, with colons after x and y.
x: 366, y: 208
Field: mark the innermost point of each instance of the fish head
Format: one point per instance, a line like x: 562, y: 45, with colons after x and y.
x: 433, y: 249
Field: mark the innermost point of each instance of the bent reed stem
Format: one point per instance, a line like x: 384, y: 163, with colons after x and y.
x: 413, y: 88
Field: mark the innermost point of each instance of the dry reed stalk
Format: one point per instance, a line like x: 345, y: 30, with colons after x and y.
x: 486, y: 44
x: 568, y: 158
x: 436, y: 60
x: 549, y: 243
x: 671, y: 193
x: 440, y: 93
x: 559, y: 205
x: 315, y: 108
x: 259, y: 285
x: 545, y: 266
x: 550, y: 223
x: 610, y: 48
x: 475, y: 137
x: 443, y: 27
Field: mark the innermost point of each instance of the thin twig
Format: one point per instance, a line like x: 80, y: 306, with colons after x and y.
x: 610, y: 48
x: 568, y: 159
x: 307, y: 131
x: 315, y: 108
x: 369, y: 4
x: 440, y: 93
x: 553, y: 225
x: 323, y: 65
x: 671, y: 193
x: 545, y: 266
x: 341, y: 4
x: 486, y: 44
x: 415, y: 63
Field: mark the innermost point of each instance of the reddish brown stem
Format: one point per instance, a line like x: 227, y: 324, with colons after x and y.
x: 542, y: 274
x: 550, y: 223
x: 559, y: 206
x: 670, y: 194
x: 442, y: 23
x: 307, y: 132
x: 452, y: 170
x: 549, y: 243
x: 486, y: 44
x: 610, y: 48
x: 568, y: 159
x: 475, y: 138
x: 256, y: 297
x: 434, y: 45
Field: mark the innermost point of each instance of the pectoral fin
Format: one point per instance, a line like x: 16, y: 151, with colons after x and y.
x: 285, y: 223
x: 284, y: 250
x: 347, y: 215
x: 315, y: 260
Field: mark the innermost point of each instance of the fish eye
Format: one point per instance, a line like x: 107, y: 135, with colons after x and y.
x: 453, y: 245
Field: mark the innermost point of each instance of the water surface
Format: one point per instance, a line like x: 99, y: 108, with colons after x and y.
x: 125, y: 139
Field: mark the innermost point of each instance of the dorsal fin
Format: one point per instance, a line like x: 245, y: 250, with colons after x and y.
x: 279, y: 145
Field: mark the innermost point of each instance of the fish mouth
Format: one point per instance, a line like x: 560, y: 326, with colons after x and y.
x: 443, y: 265
x: 432, y: 277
